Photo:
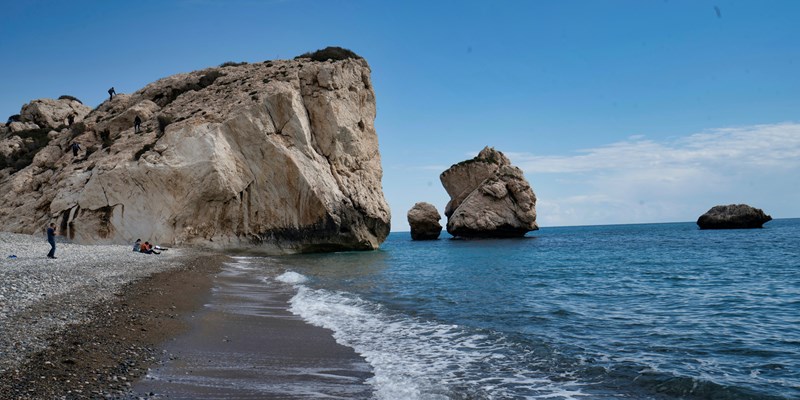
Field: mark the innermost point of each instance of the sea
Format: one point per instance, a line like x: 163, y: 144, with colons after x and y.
x: 647, y: 311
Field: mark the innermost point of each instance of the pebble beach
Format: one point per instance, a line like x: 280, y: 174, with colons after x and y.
x: 100, y: 319
x: 40, y: 295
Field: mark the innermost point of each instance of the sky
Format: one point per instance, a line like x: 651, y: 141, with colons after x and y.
x: 617, y: 111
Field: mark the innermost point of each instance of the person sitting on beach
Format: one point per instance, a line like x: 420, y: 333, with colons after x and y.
x: 157, y: 247
x: 137, y: 246
x: 147, y: 248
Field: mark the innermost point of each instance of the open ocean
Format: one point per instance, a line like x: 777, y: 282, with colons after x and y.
x: 653, y: 311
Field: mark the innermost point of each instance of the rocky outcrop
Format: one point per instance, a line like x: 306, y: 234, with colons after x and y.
x: 733, y: 216
x: 51, y: 114
x: 488, y: 198
x: 424, y: 222
x: 276, y: 156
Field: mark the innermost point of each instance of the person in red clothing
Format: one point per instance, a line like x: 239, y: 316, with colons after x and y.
x: 147, y: 248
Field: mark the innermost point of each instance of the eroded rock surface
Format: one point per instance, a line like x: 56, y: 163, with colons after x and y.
x: 423, y: 219
x: 51, y: 114
x: 279, y: 156
x: 733, y: 216
x: 489, y: 197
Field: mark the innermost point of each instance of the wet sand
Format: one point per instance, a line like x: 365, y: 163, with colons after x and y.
x: 245, y: 344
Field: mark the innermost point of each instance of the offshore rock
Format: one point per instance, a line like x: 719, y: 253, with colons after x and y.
x: 280, y: 156
x: 733, y: 216
x: 489, y: 197
x: 423, y: 219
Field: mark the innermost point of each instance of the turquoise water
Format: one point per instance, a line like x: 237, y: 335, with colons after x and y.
x: 656, y: 311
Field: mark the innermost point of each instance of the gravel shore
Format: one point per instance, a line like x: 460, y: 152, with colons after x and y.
x: 39, y: 296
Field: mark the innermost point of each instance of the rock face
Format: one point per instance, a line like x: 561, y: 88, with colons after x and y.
x: 278, y: 156
x: 50, y: 114
x: 488, y: 198
x: 424, y: 222
x: 733, y: 216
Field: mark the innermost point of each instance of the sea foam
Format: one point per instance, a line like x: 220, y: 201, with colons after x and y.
x: 417, y: 359
x: 291, y: 277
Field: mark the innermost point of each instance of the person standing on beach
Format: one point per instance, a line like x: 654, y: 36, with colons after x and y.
x: 51, y: 238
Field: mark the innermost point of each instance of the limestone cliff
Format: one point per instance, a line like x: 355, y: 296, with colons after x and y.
x: 280, y: 155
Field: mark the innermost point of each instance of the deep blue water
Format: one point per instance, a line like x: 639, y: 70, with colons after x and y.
x: 655, y: 311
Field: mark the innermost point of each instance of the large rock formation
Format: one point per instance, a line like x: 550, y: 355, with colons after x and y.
x: 51, y: 114
x: 488, y: 198
x: 733, y: 216
x: 424, y: 222
x: 280, y: 155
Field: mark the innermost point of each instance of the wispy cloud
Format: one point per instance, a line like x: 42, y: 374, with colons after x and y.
x: 775, y: 145
x: 643, y: 180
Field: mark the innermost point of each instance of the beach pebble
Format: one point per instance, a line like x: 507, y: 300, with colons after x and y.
x: 39, y: 296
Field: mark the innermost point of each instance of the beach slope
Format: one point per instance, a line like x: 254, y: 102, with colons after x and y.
x: 88, y: 323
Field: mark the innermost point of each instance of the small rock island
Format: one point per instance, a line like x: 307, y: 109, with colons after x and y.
x: 733, y: 216
x: 423, y: 219
x: 489, y: 198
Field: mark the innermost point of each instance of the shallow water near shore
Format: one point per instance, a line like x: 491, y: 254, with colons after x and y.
x: 245, y: 344
x: 657, y: 311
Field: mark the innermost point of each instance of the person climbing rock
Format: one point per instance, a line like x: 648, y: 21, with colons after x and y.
x: 111, y: 93
x: 70, y: 119
x: 75, y: 148
x: 137, y: 122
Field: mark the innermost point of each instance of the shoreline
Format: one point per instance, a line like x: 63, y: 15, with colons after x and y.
x: 90, y: 323
x: 112, y: 319
x: 245, y: 343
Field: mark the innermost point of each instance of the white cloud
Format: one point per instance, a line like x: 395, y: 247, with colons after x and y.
x: 775, y: 145
x: 642, y: 180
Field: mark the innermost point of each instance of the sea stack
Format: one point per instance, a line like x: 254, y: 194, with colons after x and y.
x: 489, y: 198
x: 423, y: 219
x: 279, y: 156
x: 733, y: 216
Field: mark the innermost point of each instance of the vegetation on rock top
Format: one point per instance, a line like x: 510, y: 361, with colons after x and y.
x: 330, y: 53
x: 232, y: 64
x: 68, y: 97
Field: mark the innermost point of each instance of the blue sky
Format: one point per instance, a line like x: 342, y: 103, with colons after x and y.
x: 617, y: 111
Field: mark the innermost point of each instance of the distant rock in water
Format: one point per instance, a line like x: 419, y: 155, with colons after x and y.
x: 423, y: 219
x: 733, y: 216
x: 488, y: 198
x: 280, y: 156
